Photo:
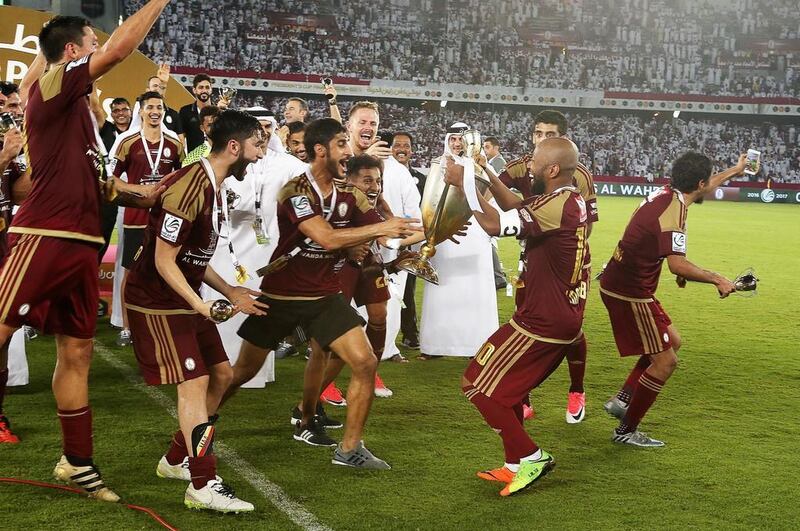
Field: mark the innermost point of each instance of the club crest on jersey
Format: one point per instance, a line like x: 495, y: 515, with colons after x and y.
x: 302, y: 206
x: 342, y: 210
x: 171, y: 228
x: 678, y: 242
x: 167, y: 151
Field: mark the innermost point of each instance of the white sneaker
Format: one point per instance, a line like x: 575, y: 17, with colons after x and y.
x: 168, y: 471
x: 381, y: 391
x: 85, y: 478
x: 215, y: 496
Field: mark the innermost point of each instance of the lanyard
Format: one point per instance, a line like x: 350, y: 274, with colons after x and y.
x: 241, y: 272
x: 154, y: 165
x: 321, y: 198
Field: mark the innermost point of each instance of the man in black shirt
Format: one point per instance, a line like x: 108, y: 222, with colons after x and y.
x: 190, y: 114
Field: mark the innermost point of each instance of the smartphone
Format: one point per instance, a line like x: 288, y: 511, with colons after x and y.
x: 7, y: 122
x: 751, y: 165
x: 386, y: 136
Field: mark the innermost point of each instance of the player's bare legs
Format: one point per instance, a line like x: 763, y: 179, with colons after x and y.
x: 353, y: 348
x: 192, y: 410
x: 220, y: 378
x: 251, y: 359
x: 71, y: 375
x: 71, y: 391
x: 315, y: 373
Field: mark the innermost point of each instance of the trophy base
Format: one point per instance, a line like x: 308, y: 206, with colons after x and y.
x: 421, y: 268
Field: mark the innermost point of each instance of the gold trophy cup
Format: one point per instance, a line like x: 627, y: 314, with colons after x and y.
x: 227, y: 94
x: 444, y: 210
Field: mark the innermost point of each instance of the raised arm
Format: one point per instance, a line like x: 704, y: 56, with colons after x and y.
x: 126, y: 38
x: 720, y: 178
x: 35, y: 71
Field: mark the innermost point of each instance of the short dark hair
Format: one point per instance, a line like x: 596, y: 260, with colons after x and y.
x: 232, y: 125
x: 58, y: 32
x: 296, y: 127
x: 403, y: 133
x: 149, y: 79
x: 303, y: 103
x: 120, y: 101
x: 209, y: 110
x: 492, y: 140
x: 150, y: 94
x: 321, y: 131
x: 363, y: 162
x: 199, y: 78
x: 7, y: 89
x: 688, y: 170
x: 552, y: 117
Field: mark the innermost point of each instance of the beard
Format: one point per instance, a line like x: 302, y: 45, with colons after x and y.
x: 239, y: 168
x: 204, y: 96
x: 537, y: 186
x: 699, y: 200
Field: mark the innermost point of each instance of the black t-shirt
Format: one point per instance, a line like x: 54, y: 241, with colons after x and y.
x: 419, y: 179
x: 109, y: 134
x: 173, y: 121
x: 190, y: 121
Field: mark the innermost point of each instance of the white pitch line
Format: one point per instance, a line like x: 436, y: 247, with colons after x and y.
x: 269, y: 490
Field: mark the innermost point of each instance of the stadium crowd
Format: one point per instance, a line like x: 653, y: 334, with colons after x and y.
x: 627, y: 144
x: 718, y: 47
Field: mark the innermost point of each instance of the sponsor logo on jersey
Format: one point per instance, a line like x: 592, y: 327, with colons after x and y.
x: 678, y: 242
x: 171, y: 228
x: 302, y: 206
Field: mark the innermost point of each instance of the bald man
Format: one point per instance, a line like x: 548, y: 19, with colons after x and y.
x: 522, y: 353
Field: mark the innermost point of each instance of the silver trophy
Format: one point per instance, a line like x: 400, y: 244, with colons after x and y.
x: 221, y: 311
x: 746, y: 283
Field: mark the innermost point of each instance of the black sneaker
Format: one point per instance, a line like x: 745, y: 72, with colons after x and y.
x: 411, y: 342
x: 313, y: 434
x: 327, y: 422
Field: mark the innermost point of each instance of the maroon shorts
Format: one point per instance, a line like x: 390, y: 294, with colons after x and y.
x: 512, y: 362
x: 50, y: 284
x: 174, y: 347
x: 639, y: 325
x: 362, y: 287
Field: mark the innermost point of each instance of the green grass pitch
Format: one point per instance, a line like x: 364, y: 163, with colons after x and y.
x: 727, y: 415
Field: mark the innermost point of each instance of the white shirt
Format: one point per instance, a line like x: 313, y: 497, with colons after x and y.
x: 401, y: 194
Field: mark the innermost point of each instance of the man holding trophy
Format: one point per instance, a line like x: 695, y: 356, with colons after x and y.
x: 460, y: 309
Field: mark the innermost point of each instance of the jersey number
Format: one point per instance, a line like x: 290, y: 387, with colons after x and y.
x: 579, y: 254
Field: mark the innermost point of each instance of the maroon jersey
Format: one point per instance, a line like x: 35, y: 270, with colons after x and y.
x: 15, y: 170
x: 64, y: 158
x: 517, y: 175
x: 657, y: 229
x: 311, y: 272
x: 183, y: 217
x: 553, y: 227
x: 130, y: 158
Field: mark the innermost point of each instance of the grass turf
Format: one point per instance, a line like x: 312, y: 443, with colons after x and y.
x: 726, y: 416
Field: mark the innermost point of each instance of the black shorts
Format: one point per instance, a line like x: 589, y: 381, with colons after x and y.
x: 324, y: 319
x: 132, y: 240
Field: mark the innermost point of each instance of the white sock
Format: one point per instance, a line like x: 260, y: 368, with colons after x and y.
x: 534, y: 456
x: 514, y: 467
